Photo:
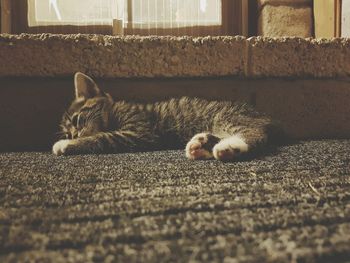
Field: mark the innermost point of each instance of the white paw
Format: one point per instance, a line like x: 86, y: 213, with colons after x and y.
x: 60, y: 147
x: 199, y: 147
x: 230, y: 148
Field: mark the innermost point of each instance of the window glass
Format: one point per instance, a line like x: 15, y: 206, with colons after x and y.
x: 173, y: 13
x: 76, y: 12
x: 150, y: 13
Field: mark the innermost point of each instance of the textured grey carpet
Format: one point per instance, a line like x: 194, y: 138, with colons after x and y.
x: 159, y: 207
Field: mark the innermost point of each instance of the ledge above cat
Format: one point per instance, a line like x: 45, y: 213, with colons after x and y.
x: 48, y: 55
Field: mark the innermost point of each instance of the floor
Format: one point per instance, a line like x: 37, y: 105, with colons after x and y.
x: 292, y: 205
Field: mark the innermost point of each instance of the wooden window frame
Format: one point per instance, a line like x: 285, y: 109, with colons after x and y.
x: 327, y: 19
x: 235, y: 21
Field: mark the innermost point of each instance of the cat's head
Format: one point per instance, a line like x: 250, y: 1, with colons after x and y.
x: 89, y: 112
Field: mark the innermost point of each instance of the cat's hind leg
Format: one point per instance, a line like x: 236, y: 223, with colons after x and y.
x: 200, y: 147
x: 246, y: 142
x: 230, y: 148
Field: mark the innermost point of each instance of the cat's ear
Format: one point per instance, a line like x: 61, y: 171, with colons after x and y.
x: 85, y: 87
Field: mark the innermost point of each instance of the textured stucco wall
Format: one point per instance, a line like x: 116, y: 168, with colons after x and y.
x: 106, y: 56
x: 298, y: 57
x: 281, y: 18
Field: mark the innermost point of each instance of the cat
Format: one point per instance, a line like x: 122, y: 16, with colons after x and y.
x: 222, y: 130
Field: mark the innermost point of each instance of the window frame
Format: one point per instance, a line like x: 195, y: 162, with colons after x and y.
x: 235, y: 14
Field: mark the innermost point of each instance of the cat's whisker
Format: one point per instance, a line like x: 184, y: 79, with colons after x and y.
x: 61, y: 134
x: 68, y: 116
x: 93, y: 117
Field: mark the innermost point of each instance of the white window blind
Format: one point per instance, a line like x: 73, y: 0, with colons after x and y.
x: 73, y: 12
x: 170, y: 17
x: 176, y: 13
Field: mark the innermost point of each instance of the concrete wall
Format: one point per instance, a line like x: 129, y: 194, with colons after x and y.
x: 281, y: 18
x: 106, y: 56
x: 304, y: 83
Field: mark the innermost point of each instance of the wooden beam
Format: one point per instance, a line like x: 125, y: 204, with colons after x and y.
x: 327, y: 17
x: 245, y: 19
x: 232, y: 17
x: 252, y: 17
x: 5, y: 16
x: 338, y: 15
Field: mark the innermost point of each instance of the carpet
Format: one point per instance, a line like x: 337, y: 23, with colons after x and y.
x: 289, y: 206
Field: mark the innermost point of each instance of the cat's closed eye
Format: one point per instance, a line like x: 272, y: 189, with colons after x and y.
x: 74, y: 120
x: 78, y: 121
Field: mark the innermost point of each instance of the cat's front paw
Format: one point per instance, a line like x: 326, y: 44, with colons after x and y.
x: 60, y: 147
x: 229, y: 149
x: 200, y: 146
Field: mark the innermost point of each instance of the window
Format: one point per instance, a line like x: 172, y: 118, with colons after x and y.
x: 177, y: 15
x: 142, y: 17
x: 181, y: 12
x: 68, y: 12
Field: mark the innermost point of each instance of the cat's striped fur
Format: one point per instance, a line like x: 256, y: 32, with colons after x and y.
x: 95, y: 123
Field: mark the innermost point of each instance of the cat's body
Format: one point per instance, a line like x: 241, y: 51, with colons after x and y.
x: 211, y: 129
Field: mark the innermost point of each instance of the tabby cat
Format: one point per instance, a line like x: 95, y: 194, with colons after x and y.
x: 226, y: 131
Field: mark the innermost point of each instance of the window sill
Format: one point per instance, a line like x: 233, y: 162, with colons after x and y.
x: 131, y: 56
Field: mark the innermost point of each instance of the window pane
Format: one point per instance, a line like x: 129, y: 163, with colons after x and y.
x: 167, y: 17
x: 176, y: 13
x: 73, y: 12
